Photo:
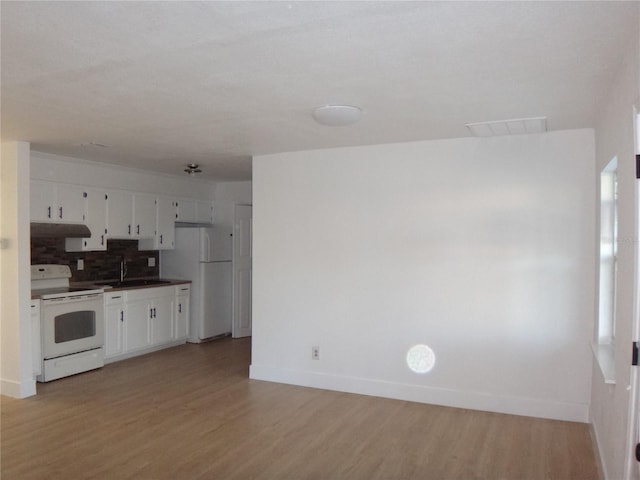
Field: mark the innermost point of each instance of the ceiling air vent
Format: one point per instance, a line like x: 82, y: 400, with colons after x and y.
x: 517, y: 126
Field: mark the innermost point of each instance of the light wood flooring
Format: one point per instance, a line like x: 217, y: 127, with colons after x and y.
x: 190, y: 412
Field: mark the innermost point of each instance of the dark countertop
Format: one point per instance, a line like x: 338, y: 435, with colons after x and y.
x: 167, y: 282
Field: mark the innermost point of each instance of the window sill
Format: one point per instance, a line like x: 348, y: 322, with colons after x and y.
x: 606, y: 358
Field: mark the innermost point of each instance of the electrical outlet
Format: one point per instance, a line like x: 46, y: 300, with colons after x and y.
x: 152, y: 261
x: 80, y: 264
x: 315, y: 353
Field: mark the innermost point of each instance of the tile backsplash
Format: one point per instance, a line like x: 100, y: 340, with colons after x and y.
x: 97, y: 265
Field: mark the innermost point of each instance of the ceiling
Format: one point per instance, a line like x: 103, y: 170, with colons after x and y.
x: 156, y: 85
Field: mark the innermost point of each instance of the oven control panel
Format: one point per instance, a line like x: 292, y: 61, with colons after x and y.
x: 41, y: 272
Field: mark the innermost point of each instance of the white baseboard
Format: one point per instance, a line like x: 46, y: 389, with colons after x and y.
x: 530, y: 407
x: 15, y: 389
x: 143, y: 351
x: 602, y: 471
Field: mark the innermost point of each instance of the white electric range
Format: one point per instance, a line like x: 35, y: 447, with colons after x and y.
x: 72, y: 323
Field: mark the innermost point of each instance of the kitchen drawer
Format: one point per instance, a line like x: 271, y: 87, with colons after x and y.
x: 113, y: 298
x: 183, y: 289
x: 149, y: 293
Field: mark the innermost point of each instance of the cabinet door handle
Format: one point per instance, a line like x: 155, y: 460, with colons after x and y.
x: 49, y: 211
x: 121, y: 315
x: 101, y: 239
x: 60, y: 212
x: 129, y: 229
x: 179, y: 308
x: 151, y: 313
x: 160, y: 239
x: 138, y: 230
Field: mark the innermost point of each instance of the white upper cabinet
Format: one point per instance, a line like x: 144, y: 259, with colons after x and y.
x: 119, y: 214
x: 194, y: 211
x: 43, y: 200
x: 71, y: 203
x: 130, y: 215
x: 96, y: 220
x: 144, y: 215
x: 186, y: 211
x: 60, y: 203
x: 204, y: 212
x: 164, y: 233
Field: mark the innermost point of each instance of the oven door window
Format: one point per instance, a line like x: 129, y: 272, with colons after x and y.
x: 74, y: 326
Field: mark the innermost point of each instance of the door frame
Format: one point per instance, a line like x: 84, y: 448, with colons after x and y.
x: 236, y: 295
x: 632, y: 465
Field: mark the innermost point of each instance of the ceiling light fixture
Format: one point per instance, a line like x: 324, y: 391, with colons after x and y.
x: 95, y: 144
x: 193, y: 168
x: 517, y: 126
x: 337, y: 115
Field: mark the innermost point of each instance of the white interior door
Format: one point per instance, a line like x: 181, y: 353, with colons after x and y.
x: 634, y: 461
x: 242, y: 271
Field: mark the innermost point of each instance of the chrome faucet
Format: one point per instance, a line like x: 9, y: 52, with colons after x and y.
x: 123, y: 268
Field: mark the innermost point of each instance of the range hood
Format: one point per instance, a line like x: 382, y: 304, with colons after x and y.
x: 60, y: 230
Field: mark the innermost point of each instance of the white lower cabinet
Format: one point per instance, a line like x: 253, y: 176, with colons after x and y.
x: 139, y: 321
x: 36, y: 345
x: 162, y: 318
x: 182, y: 312
x: 113, y: 323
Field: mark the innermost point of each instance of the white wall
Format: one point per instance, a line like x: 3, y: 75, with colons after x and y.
x: 93, y: 174
x: 15, y: 316
x: 614, y: 137
x: 229, y: 194
x: 481, y: 248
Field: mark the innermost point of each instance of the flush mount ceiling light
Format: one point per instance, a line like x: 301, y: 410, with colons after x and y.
x: 517, y: 126
x: 337, y: 115
x: 95, y: 144
x: 193, y: 168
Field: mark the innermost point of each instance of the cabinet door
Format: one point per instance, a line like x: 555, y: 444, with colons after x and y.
x: 36, y: 348
x: 137, y: 333
x: 71, y: 207
x: 43, y: 201
x: 162, y: 318
x: 113, y: 324
x: 119, y: 214
x: 182, y: 316
x: 186, y: 211
x: 166, y: 223
x: 96, y: 220
x: 204, y: 211
x: 144, y: 215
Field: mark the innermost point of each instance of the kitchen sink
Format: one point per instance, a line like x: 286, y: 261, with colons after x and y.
x: 133, y: 283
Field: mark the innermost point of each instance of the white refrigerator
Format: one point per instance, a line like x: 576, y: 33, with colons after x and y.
x: 204, y: 256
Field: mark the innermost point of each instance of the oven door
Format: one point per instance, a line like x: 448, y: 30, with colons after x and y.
x: 72, y: 324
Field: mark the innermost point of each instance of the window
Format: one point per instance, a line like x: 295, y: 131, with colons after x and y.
x: 608, y: 252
